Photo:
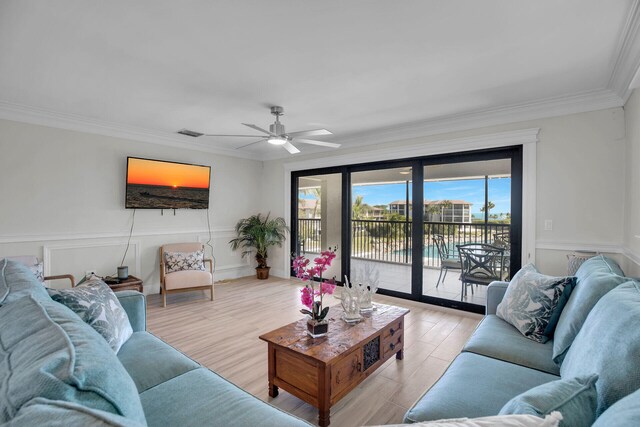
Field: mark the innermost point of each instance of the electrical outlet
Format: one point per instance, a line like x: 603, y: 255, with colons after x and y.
x: 89, y: 273
x: 548, y: 225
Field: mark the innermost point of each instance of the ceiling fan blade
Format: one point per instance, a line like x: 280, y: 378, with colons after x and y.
x: 254, y: 142
x: 314, y: 132
x: 243, y: 136
x: 321, y: 143
x: 290, y: 148
x: 259, y: 129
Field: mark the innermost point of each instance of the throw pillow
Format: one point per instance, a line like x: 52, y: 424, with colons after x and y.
x: 38, y: 271
x: 551, y: 420
x: 575, y: 399
x: 98, y: 306
x: 179, y: 261
x: 625, y: 412
x: 48, y: 352
x: 533, y: 302
x: 608, y: 345
x: 17, y: 281
x: 595, y: 277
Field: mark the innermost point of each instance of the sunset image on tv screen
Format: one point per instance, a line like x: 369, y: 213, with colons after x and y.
x: 155, y: 184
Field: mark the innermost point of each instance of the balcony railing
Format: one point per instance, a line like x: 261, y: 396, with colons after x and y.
x: 390, y: 241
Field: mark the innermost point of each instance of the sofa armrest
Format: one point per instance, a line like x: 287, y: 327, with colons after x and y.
x: 135, y: 305
x: 495, y: 292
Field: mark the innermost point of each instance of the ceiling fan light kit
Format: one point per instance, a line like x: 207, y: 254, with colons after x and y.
x: 276, y: 135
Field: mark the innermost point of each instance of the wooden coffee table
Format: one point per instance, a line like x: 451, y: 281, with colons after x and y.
x: 321, y: 371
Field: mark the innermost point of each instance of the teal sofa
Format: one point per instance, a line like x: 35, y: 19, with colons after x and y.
x: 56, y: 370
x: 498, y: 362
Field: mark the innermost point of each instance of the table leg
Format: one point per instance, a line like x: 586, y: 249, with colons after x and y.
x: 400, y: 355
x: 273, y: 389
x: 324, y: 395
x: 323, y: 418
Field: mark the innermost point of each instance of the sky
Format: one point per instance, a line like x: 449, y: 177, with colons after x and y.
x: 152, y: 172
x: 471, y: 190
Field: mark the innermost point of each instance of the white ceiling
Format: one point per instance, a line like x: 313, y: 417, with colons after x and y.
x: 368, y: 70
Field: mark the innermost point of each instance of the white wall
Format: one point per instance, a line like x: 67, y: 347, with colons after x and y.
x: 632, y: 207
x: 62, y: 197
x: 580, y: 183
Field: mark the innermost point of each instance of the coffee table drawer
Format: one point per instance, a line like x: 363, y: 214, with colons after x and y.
x: 393, y: 330
x: 346, y: 372
x: 391, y: 345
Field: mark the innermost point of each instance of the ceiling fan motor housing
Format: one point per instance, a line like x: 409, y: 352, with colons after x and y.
x: 277, y: 128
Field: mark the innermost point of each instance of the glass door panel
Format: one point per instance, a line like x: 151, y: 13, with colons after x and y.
x: 319, y: 218
x: 381, y: 229
x: 464, y: 203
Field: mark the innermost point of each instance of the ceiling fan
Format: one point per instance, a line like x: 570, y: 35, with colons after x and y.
x: 276, y: 135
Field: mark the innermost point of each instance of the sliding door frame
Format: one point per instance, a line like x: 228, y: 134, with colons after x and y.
x: 417, y: 164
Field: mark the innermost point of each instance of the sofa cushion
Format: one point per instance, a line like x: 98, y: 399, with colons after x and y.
x: 625, y: 412
x: 595, y: 277
x: 518, y: 420
x: 210, y: 400
x: 187, y: 279
x: 96, y: 304
x: 160, y: 363
x: 533, y: 302
x: 58, y: 413
x: 17, y: 281
x: 475, y: 386
x: 608, y: 344
x: 498, y: 339
x: 574, y: 398
x: 47, y: 351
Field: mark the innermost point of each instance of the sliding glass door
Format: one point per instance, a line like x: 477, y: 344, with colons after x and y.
x: 381, y: 228
x: 465, y: 203
x: 398, y: 224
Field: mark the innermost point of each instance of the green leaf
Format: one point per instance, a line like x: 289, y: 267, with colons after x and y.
x: 323, y: 313
x: 305, y: 311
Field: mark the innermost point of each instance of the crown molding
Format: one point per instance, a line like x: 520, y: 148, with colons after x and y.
x: 627, y: 61
x: 492, y: 140
x: 551, y: 107
x: 44, y: 117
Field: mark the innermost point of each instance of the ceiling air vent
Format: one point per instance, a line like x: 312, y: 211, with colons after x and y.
x: 191, y: 133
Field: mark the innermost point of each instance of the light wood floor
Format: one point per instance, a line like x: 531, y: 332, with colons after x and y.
x: 223, y: 336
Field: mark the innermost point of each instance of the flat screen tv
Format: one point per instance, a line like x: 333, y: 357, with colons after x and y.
x: 157, y: 184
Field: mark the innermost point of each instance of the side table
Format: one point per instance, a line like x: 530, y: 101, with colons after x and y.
x: 131, y: 282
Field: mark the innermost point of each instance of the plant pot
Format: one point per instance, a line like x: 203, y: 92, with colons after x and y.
x: 262, y: 273
x: 317, y: 329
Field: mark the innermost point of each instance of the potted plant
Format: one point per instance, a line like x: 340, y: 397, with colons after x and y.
x: 312, y: 298
x: 258, y: 233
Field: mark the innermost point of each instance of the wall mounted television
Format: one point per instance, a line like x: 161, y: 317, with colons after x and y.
x: 158, y: 184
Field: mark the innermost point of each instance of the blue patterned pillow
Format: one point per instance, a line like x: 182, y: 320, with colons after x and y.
x: 575, y: 399
x: 96, y: 304
x: 533, y: 302
x: 179, y: 261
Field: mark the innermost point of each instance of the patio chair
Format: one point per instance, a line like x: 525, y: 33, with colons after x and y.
x: 448, y: 261
x: 481, y: 265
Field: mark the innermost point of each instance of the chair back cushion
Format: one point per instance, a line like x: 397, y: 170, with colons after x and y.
x: 595, y: 277
x: 608, y: 345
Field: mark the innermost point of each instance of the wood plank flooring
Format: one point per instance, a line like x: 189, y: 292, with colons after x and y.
x: 223, y: 336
